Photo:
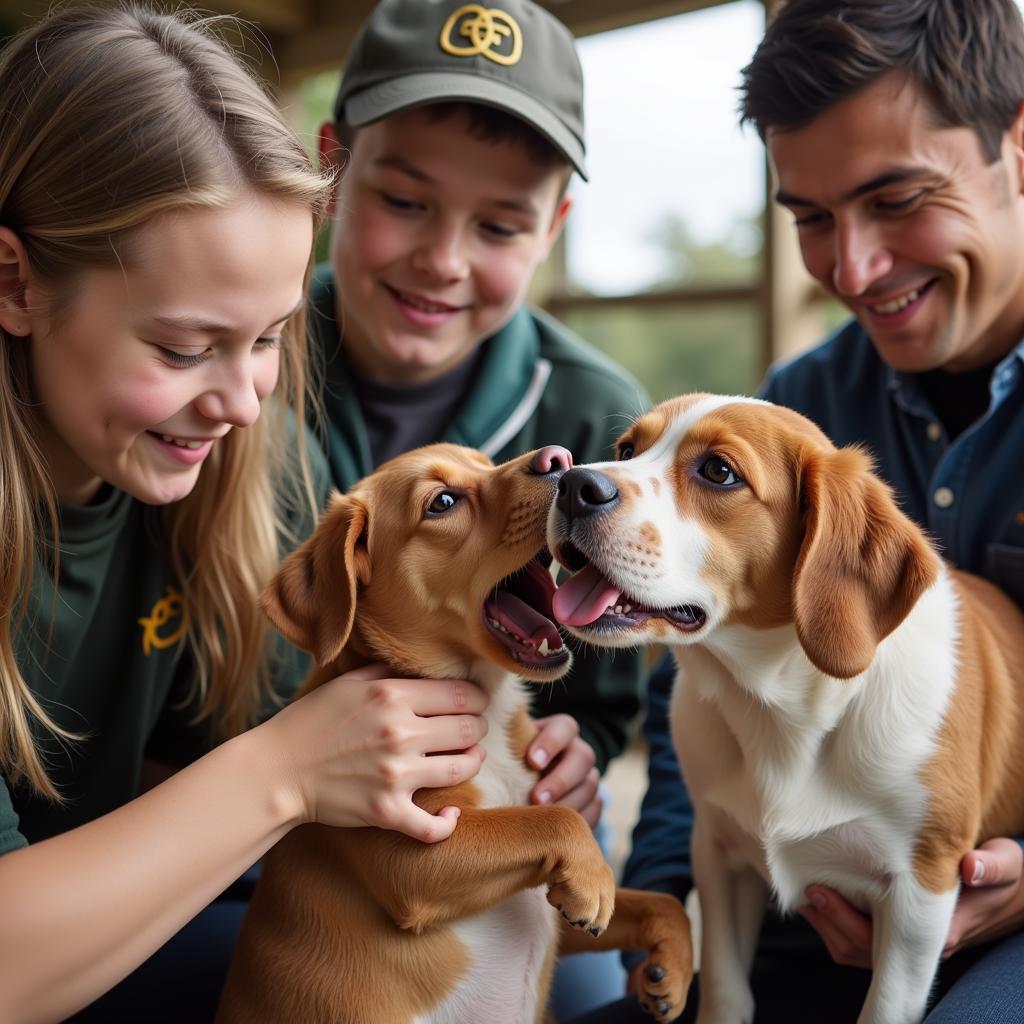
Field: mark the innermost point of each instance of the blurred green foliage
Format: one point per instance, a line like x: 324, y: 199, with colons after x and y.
x: 674, y: 350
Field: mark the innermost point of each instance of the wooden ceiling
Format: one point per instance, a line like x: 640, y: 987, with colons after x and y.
x: 308, y: 36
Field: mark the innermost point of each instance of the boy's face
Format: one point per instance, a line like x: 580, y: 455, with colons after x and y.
x: 436, y: 236
x: 908, y: 225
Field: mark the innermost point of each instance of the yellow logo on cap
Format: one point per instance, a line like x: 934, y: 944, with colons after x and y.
x: 164, y: 611
x: 486, y: 29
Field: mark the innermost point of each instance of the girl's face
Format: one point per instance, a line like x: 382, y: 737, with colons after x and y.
x: 149, y: 367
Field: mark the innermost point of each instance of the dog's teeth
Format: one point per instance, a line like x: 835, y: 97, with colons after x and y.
x: 627, y: 607
x: 542, y: 649
x: 495, y: 623
x: 617, y: 609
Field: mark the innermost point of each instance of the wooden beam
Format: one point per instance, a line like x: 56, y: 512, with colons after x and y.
x: 271, y: 16
x: 681, y: 296
x: 585, y: 17
x: 323, y: 45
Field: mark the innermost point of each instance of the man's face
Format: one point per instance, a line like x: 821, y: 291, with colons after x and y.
x: 436, y: 237
x: 908, y: 225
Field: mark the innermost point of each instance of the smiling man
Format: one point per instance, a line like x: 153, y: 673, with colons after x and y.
x: 895, y: 130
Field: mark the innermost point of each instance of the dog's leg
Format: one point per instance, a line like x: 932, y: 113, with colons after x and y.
x: 492, y: 854
x: 732, y: 902
x: 910, y: 928
x: 656, y: 923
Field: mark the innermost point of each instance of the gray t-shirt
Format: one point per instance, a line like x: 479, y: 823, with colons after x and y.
x: 400, y: 417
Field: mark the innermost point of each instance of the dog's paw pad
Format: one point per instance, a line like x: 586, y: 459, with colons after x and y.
x: 655, y: 973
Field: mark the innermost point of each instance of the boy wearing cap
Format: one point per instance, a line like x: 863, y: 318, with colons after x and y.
x: 456, y: 131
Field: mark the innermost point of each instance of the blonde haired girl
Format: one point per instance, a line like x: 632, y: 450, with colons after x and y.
x: 156, y: 220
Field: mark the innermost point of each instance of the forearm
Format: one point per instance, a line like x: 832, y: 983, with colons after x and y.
x: 82, y: 910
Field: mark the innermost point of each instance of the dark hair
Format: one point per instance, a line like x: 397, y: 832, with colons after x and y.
x: 967, y: 56
x: 488, y: 124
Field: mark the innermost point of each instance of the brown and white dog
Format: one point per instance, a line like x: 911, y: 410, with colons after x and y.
x: 847, y: 708
x: 430, y: 565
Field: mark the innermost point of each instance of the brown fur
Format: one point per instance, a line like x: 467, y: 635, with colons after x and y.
x: 350, y: 925
x: 976, y: 777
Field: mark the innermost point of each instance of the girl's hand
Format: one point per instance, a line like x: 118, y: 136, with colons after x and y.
x: 355, y: 749
x: 566, y: 763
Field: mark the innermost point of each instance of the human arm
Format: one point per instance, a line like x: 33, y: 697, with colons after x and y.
x: 990, y: 905
x: 83, y: 909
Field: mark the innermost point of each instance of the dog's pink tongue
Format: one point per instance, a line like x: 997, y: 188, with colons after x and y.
x: 583, y: 598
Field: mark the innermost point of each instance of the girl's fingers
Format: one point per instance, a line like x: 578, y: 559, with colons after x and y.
x: 428, y: 697
x: 426, y: 827
x: 450, y: 732
x: 447, y: 769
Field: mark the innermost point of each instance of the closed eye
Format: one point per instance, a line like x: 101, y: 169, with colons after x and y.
x: 181, y: 359
x: 398, y: 203
x: 897, y: 205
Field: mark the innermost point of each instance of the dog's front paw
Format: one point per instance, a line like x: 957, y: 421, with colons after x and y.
x: 584, y: 893
x: 663, y: 978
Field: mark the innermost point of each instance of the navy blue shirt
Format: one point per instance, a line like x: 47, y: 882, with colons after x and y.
x: 968, y: 493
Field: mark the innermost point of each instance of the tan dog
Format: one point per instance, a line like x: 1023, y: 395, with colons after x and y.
x: 848, y: 709
x: 429, y: 565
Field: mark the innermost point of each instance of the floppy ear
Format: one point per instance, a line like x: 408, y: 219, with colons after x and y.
x: 862, y: 564
x: 312, y: 598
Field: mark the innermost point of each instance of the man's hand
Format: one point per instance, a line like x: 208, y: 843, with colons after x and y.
x: 566, y: 763
x: 991, y: 901
x: 991, y: 904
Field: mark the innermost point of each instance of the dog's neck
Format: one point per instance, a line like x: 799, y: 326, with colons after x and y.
x: 507, y: 713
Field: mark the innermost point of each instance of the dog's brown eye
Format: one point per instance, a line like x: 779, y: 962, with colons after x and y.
x: 718, y: 471
x: 625, y: 452
x: 444, y: 502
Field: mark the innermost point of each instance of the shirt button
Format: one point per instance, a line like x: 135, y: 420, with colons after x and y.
x: 934, y: 431
x: 943, y: 497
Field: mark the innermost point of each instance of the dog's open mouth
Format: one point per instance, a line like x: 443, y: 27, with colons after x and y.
x: 519, y: 615
x: 588, y: 598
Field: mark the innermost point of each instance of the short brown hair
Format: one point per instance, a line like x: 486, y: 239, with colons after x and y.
x: 488, y: 124
x: 966, y: 55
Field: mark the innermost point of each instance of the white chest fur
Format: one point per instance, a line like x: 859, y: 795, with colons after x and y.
x: 812, y: 779
x: 509, y: 943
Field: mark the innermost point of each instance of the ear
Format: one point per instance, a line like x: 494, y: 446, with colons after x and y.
x: 14, y: 315
x: 557, y: 223
x: 333, y: 157
x: 862, y: 564
x: 312, y: 599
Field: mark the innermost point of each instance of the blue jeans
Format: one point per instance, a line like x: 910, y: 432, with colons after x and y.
x: 796, y: 982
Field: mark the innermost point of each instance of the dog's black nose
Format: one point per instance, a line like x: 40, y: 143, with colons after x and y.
x: 582, y: 492
x: 551, y: 459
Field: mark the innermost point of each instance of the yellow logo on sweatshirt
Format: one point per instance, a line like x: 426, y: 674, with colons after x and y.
x: 486, y: 31
x: 168, y: 612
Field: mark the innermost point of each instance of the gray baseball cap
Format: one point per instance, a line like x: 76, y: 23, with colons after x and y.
x: 515, y: 56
